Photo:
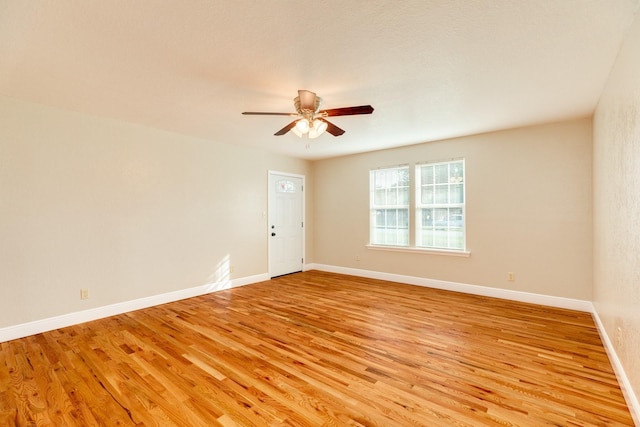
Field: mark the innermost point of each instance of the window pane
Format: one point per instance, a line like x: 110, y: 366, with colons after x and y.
x: 427, y: 238
x: 442, y: 173
x: 285, y: 186
x: 392, y: 197
x: 457, y: 193
x: 440, y: 238
x: 456, y: 239
x: 440, y: 218
x: 427, y: 218
x: 427, y: 195
x: 403, y: 196
x: 455, y: 217
x: 442, y: 194
x: 456, y: 172
x: 403, y: 177
x: 403, y: 237
x: 426, y: 175
x: 392, y: 227
x: 391, y: 218
x: 403, y: 218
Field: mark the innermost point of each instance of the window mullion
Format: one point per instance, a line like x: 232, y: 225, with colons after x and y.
x: 411, y: 208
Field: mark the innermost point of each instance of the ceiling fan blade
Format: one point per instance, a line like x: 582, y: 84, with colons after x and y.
x: 347, y: 111
x: 260, y: 113
x: 286, y: 129
x: 307, y: 100
x: 333, y: 129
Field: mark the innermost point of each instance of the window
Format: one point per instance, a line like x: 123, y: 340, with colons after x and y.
x: 389, y: 206
x: 440, y: 205
x: 285, y: 186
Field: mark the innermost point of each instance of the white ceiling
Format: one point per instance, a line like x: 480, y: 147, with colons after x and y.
x: 432, y: 69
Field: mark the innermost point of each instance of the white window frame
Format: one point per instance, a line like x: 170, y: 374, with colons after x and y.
x: 445, y: 226
x: 390, y: 237
x: 415, y: 243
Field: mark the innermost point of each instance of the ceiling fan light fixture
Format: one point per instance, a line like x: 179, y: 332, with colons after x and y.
x: 319, y: 127
x: 297, y: 132
x: 302, y: 126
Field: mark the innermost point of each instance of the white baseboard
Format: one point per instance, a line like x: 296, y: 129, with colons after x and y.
x: 625, y: 384
x: 551, y: 301
x: 49, y: 324
x: 560, y: 302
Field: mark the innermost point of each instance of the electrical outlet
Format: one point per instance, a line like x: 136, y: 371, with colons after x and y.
x: 357, y: 257
x: 84, y: 293
x: 511, y: 276
x: 231, y: 269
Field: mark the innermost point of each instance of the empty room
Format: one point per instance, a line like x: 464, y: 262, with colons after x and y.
x: 362, y: 213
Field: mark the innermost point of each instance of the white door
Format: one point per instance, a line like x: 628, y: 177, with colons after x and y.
x: 286, y: 224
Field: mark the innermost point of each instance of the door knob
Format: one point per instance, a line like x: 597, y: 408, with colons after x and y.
x: 273, y: 234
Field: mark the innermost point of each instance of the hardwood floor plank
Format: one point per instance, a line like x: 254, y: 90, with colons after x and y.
x: 317, y: 349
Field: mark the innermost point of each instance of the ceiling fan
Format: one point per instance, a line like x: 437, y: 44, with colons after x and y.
x: 310, y: 120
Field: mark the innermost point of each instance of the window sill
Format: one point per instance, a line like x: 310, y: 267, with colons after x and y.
x: 413, y: 249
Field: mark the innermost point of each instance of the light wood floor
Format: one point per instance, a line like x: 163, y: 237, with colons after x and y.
x: 317, y: 349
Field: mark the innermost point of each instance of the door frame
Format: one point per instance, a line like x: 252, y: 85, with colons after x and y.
x: 304, y: 215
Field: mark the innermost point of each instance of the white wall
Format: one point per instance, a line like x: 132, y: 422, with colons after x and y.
x: 529, y: 211
x: 617, y: 207
x: 123, y: 210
